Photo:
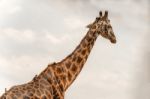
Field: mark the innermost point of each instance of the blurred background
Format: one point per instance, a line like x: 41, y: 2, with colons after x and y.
x: 34, y: 33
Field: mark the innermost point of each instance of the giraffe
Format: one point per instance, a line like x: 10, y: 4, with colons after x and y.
x: 55, y: 79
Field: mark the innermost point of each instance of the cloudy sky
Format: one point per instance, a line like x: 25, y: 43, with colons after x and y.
x: 34, y: 33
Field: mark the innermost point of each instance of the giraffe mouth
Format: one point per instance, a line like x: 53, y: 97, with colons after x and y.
x: 113, y: 40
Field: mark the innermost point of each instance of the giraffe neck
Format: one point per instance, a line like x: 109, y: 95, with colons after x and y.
x: 76, y: 60
x: 63, y: 73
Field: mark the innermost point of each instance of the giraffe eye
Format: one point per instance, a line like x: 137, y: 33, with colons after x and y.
x: 109, y: 26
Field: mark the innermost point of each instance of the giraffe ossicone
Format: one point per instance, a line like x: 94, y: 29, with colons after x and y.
x: 54, y: 80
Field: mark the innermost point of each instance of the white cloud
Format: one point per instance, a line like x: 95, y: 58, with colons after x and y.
x: 8, y: 7
x: 57, y: 40
x: 74, y: 22
x: 18, y: 35
x: 26, y: 36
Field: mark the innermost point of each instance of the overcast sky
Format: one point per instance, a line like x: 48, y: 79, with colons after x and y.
x: 34, y: 33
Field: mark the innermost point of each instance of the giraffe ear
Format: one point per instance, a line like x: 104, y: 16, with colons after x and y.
x: 89, y: 26
x: 100, y: 13
x: 106, y: 14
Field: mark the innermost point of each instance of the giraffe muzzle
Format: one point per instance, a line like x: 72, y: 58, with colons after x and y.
x: 113, y: 40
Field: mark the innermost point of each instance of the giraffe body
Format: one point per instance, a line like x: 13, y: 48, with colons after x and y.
x: 57, y: 77
x: 41, y: 87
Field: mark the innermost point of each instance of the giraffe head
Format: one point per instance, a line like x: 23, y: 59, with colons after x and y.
x: 103, y: 27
